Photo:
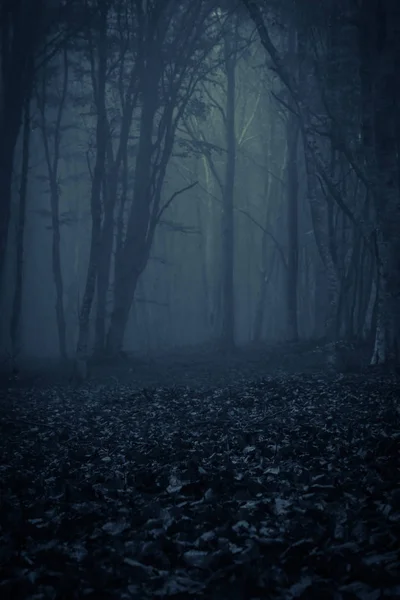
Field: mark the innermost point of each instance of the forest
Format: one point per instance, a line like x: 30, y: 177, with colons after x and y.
x: 175, y: 176
x: 200, y: 299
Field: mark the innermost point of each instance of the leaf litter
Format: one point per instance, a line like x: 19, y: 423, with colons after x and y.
x: 282, y: 487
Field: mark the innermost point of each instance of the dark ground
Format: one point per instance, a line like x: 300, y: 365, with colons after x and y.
x: 273, y: 473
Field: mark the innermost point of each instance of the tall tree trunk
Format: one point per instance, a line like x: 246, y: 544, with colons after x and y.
x: 19, y: 29
x: 267, y: 258
x: 99, y: 91
x: 379, y: 47
x: 52, y: 161
x: 228, y: 298
x: 104, y: 267
x: 110, y: 186
x: 267, y: 261
x: 164, y: 98
x: 123, y: 298
x: 319, y: 218
x: 292, y: 221
x: 266, y: 273
x: 7, y: 149
x: 134, y: 253
x: 57, y: 269
x: 365, y: 290
x: 15, y: 323
x: 320, y: 299
x: 301, y: 93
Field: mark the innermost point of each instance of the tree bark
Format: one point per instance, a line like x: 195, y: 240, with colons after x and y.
x: 19, y: 27
x: 292, y: 222
x: 319, y: 219
x: 164, y: 100
x: 228, y: 294
x: 104, y: 267
x: 52, y: 167
x: 15, y: 323
x: 110, y: 185
x: 135, y: 250
x: 99, y: 91
x: 379, y: 47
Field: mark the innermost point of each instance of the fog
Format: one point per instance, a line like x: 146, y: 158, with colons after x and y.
x: 199, y: 299
x: 171, y: 188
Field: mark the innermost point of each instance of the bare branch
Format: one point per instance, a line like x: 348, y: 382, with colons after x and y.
x: 172, y: 198
x: 267, y: 232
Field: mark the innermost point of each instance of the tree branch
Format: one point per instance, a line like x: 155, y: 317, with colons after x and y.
x: 172, y: 198
x: 267, y: 232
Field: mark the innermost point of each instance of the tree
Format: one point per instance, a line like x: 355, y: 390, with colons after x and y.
x: 31, y: 33
x: 378, y: 28
x: 52, y: 136
x: 292, y: 138
x: 372, y: 26
x: 292, y: 222
x: 172, y: 56
x: 20, y: 35
x: 231, y: 41
x: 98, y: 69
x: 15, y: 322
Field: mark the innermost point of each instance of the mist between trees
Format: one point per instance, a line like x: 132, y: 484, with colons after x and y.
x: 181, y: 172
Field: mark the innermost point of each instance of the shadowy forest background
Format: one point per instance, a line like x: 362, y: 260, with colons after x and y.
x: 180, y: 172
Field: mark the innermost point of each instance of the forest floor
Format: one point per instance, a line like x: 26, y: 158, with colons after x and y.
x: 260, y: 475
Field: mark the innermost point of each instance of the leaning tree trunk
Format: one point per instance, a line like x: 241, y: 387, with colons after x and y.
x: 110, y: 201
x: 135, y: 250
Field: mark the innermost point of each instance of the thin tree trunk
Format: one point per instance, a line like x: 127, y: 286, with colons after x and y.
x: 19, y: 30
x: 319, y: 219
x: 7, y: 149
x: 134, y: 252
x: 52, y: 167
x: 228, y: 298
x: 57, y: 270
x: 292, y: 220
x: 379, y: 47
x: 365, y: 290
x: 265, y: 277
x: 103, y: 275
x: 110, y: 186
x: 10, y: 122
x: 99, y: 92
x: 15, y: 323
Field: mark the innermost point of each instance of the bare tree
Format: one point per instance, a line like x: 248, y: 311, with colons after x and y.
x: 172, y: 55
x: 98, y: 57
x: 370, y: 30
x: 31, y: 33
x: 15, y: 322
x: 20, y: 29
x: 231, y: 47
x: 52, y: 136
